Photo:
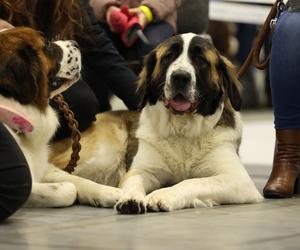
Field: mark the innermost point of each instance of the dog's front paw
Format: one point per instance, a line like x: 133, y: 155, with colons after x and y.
x: 163, y: 200
x: 132, y: 205
x: 99, y: 195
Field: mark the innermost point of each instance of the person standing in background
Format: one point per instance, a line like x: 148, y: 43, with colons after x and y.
x: 285, y: 89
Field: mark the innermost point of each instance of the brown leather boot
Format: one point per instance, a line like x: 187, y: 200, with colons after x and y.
x: 286, y: 165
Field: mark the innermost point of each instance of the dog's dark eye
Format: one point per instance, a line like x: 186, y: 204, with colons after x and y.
x: 197, y: 50
x: 56, y: 83
x: 197, y: 53
x: 172, y: 53
x: 48, y: 46
x: 167, y: 57
x: 202, y: 61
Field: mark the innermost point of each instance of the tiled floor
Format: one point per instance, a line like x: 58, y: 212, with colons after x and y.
x: 273, y: 224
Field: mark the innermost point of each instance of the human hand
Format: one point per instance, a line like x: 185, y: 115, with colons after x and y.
x: 5, y: 25
x: 108, y: 15
x: 143, y: 20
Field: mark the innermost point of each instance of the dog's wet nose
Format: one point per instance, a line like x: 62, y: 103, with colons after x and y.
x: 180, y: 78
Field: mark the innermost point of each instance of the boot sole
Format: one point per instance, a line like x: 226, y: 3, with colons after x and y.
x: 275, y: 195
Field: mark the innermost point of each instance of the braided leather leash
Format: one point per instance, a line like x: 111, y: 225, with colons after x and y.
x: 267, y: 27
x: 75, y: 134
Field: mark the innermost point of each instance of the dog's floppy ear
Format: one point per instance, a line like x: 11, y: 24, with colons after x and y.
x: 231, y: 84
x: 20, y: 75
x: 145, y: 79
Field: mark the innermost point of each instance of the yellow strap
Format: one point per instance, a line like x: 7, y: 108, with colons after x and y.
x: 147, y: 11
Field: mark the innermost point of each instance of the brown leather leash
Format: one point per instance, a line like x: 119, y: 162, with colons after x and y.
x: 268, y: 26
x: 75, y: 134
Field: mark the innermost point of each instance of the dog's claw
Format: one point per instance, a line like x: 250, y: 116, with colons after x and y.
x: 131, y: 207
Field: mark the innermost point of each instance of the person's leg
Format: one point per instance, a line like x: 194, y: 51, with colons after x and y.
x: 83, y: 103
x: 99, y: 87
x: 15, y: 177
x: 285, y: 89
x: 285, y: 73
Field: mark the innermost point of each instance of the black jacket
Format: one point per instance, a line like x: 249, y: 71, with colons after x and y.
x: 105, y: 70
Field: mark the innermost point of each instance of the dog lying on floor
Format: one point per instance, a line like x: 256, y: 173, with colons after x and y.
x: 181, y: 151
x: 32, y: 71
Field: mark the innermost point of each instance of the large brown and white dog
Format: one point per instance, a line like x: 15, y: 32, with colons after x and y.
x: 181, y: 151
x: 31, y: 71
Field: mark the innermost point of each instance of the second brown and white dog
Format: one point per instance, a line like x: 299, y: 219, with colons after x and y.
x: 31, y: 72
x: 181, y: 151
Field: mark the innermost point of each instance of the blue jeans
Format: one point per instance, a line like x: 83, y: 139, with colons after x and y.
x: 285, y: 71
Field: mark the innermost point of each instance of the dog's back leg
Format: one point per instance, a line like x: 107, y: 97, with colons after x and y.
x: 52, y: 195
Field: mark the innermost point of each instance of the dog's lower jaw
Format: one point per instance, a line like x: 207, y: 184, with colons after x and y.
x: 166, y: 124
x: 190, y: 110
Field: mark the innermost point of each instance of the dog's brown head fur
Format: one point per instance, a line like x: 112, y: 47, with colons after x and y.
x: 28, y: 66
x: 189, y: 75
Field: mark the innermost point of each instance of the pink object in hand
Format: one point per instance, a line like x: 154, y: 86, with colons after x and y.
x: 118, y: 21
x: 125, y: 23
x: 15, y: 120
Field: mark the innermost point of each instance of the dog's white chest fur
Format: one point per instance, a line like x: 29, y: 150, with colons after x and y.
x: 34, y: 145
x: 182, y: 144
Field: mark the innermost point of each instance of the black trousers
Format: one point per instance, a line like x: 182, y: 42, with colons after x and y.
x: 15, y: 177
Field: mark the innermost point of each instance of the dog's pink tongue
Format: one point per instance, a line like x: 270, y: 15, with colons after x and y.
x: 179, y: 103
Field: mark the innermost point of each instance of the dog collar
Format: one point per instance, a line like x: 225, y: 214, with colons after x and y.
x: 15, y: 120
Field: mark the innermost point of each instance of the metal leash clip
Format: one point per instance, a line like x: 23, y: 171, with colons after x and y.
x: 280, y: 9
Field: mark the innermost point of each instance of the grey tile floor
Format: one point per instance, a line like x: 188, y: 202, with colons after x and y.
x: 273, y: 224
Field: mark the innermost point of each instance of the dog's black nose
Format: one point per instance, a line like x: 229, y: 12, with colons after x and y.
x: 180, y: 78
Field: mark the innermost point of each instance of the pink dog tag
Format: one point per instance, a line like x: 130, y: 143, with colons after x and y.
x: 15, y: 120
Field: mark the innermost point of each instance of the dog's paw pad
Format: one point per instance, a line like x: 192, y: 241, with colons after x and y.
x: 131, y: 206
